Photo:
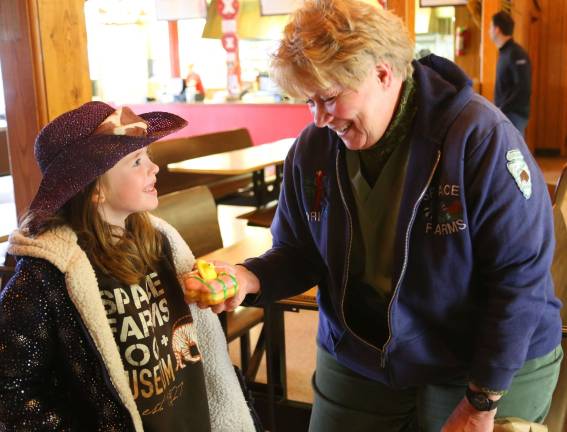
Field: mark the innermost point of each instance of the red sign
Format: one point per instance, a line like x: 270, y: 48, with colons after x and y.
x: 229, y: 42
x: 228, y: 8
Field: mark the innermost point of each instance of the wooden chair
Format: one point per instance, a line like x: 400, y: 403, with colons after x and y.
x: 194, y: 214
x: 175, y: 150
x: 261, y: 217
x: 557, y: 418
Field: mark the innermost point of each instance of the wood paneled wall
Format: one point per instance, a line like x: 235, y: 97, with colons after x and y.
x: 470, y: 60
x: 527, y: 17
x: 63, y: 38
x: 541, y: 28
x: 43, y: 52
x: 25, y: 107
x: 406, y: 10
x: 547, y: 36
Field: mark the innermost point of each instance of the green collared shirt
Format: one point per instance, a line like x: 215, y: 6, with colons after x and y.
x: 377, y: 177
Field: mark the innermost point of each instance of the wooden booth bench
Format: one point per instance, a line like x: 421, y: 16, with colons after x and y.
x: 176, y: 150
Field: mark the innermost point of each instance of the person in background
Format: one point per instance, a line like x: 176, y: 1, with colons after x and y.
x: 416, y: 208
x: 193, y: 86
x: 95, y: 333
x: 513, y: 72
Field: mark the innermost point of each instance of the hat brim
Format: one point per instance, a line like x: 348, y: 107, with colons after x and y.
x: 82, y: 163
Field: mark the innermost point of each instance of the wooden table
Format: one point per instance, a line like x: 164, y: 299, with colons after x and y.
x: 289, y: 415
x: 252, y: 160
x: 260, y: 217
x: 257, y: 242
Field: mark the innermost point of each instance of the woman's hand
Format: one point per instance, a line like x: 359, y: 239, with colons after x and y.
x: 230, y: 278
x: 465, y: 418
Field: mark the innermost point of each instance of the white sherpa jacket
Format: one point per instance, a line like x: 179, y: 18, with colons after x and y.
x: 228, y: 409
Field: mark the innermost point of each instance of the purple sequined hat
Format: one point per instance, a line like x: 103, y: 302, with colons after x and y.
x: 80, y: 145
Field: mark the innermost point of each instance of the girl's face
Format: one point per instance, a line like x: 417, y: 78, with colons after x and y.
x: 359, y: 116
x: 128, y: 187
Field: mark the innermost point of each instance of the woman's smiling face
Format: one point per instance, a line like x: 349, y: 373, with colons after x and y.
x: 359, y: 116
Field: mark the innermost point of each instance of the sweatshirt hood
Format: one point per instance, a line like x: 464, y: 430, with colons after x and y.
x: 443, y: 90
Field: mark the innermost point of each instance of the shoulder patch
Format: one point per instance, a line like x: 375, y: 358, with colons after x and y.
x: 518, y: 167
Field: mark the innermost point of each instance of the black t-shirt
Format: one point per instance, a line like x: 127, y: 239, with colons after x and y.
x: 153, y: 328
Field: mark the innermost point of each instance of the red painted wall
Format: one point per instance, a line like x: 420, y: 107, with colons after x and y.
x: 266, y: 122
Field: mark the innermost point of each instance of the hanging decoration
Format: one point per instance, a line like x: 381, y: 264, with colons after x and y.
x: 228, y: 11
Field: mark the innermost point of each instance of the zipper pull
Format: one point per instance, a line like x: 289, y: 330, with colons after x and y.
x: 382, y: 359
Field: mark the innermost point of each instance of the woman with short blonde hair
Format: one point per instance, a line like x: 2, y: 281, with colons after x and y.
x: 417, y: 209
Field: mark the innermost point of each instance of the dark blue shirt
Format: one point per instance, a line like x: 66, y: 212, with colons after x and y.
x: 513, y: 80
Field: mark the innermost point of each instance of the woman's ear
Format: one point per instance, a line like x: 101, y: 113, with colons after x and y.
x: 384, y: 74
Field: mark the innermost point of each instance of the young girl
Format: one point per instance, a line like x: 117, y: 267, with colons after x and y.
x: 94, y: 331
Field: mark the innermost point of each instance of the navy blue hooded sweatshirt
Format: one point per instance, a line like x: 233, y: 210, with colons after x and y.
x: 472, y: 290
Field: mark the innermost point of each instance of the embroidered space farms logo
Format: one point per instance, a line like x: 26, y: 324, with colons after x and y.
x: 442, y: 210
x: 316, y: 196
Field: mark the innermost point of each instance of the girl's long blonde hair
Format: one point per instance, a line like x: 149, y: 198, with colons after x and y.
x: 126, y: 255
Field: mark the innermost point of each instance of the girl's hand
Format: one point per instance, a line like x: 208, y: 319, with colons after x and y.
x: 225, y: 292
x: 465, y: 418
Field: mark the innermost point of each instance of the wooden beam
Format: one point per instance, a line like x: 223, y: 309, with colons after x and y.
x: 45, y: 73
x: 63, y: 36
x: 23, y: 93
x: 405, y: 9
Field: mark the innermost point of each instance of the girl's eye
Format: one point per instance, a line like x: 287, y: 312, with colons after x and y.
x: 137, y: 162
x: 309, y: 102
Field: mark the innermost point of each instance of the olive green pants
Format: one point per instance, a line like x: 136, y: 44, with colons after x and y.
x: 347, y: 401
